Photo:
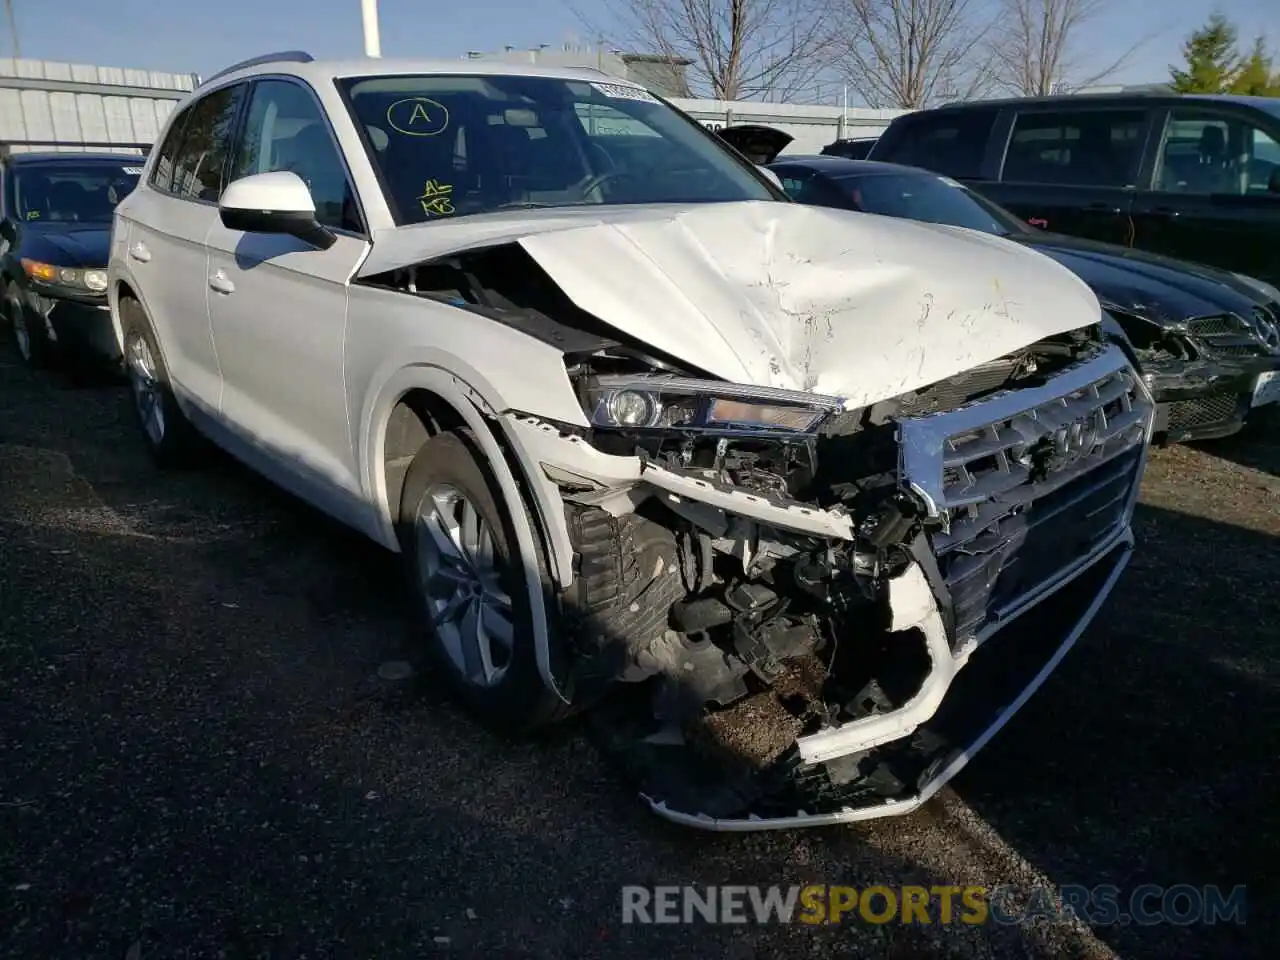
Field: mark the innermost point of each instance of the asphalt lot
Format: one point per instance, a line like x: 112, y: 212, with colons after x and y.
x: 198, y: 758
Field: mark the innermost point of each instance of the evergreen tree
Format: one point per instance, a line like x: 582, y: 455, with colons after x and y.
x: 1256, y: 77
x: 1212, y: 62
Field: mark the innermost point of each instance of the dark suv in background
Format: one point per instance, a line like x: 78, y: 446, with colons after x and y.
x: 1196, y: 177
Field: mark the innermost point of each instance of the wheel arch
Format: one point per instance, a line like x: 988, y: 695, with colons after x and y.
x: 413, y: 404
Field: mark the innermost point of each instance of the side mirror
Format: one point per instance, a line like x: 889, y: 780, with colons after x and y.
x: 1273, y: 185
x: 7, y: 231
x: 277, y: 202
x: 769, y: 175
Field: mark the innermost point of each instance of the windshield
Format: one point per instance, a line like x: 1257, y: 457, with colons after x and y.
x: 73, y: 192
x: 934, y: 199
x: 450, y: 146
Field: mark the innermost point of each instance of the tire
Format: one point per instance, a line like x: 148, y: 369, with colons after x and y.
x: 171, y: 439
x: 30, y: 339
x: 449, y: 479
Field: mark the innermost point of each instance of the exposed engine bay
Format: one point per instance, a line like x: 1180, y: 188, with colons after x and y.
x: 774, y: 595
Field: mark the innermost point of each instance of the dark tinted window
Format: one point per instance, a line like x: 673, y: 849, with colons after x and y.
x: 206, y: 140
x: 1209, y: 153
x: 1078, y: 148
x: 453, y: 145
x: 285, y: 130
x: 73, y: 192
x: 162, y: 173
x: 913, y: 196
x: 950, y: 142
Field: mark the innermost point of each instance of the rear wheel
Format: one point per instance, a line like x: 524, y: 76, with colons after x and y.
x: 169, y: 436
x: 470, y: 588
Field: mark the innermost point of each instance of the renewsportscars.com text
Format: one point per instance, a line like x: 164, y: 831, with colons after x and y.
x: 1101, y: 905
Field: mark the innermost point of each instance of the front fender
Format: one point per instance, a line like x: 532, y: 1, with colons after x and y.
x: 472, y: 405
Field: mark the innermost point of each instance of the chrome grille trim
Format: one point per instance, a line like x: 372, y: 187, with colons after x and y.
x: 1029, y: 485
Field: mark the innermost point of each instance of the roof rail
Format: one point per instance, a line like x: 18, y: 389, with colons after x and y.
x: 284, y: 56
x: 144, y: 148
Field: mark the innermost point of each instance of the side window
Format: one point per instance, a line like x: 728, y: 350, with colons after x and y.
x: 793, y: 181
x: 286, y: 130
x: 206, y: 138
x: 162, y: 173
x: 821, y: 192
x: 952, y: 143
x: 1205, y: 153
x: 1074, y: 148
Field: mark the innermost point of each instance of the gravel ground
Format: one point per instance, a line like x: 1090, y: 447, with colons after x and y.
x: 198, y: 758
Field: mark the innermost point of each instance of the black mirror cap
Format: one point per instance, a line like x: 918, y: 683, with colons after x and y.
x: 304, y: 226
x: 1273, y: 186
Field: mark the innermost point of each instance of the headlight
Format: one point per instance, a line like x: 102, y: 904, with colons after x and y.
x: 703, y: 406
x: 94, y: 281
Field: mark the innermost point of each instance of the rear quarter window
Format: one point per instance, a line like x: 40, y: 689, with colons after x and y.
x: 951, y: 143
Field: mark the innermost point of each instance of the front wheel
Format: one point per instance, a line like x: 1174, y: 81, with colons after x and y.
x: 469, y: 587
x: 29, y: 335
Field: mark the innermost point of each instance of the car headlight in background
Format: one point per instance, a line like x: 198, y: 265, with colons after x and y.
x: 95, y: 281
x: 682, y: 404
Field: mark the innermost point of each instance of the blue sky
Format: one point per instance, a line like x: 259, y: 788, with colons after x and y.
x: 189, y: 37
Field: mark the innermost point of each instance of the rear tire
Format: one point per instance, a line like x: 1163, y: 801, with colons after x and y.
x: 469, y: 590
x: 171, y: 439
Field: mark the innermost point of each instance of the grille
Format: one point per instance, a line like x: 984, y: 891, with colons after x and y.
x: 1030, y: 485
x: 1229, y: 336
x: 1202, y: 411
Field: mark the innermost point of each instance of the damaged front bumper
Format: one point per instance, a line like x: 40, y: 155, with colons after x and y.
x: 1025, y: 499
x: 1203, y: 399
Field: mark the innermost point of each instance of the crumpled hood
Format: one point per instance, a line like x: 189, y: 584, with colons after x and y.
x: 1149, y: 285
x: 778, y: 294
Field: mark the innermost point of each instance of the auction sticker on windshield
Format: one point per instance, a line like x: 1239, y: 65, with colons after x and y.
x: 1267, y: 388
x: 132, y: 171
x: 623, y: 91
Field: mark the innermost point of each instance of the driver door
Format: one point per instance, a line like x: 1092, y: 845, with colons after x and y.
x: 278, y: 309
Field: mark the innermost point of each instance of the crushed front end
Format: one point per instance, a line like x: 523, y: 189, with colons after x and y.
x: 1207, y: 373
x: 789, y: 613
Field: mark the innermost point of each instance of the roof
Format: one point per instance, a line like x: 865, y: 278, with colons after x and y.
x: 832, y: 165
x: 318, y: 71
x: 1119, y: 97
x: 28, y: 159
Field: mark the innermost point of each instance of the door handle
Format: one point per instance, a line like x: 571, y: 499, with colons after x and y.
x: 220, y: 282
x: 1103, y: 208
x: 1169, y: 213
x: 140, y: 252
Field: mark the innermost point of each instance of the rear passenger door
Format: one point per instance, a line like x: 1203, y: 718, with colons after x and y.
x: 1073, y: 170
x: 1208, y: 196
x: 166, y: 220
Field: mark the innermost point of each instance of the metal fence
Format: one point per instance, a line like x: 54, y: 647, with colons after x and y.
x: 74, y: 104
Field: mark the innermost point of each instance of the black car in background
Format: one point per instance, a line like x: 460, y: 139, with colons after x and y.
x: 55, y: 233
x: 1208, y: 341
x: 851, y: 148
x: 1189, y: 176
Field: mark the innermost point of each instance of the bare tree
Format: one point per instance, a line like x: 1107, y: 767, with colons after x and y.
x: 1036, y: 47
x: 738, y: 49
x: 908, y: 53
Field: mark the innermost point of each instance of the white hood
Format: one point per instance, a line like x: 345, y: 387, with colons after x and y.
x: 840, y: 303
